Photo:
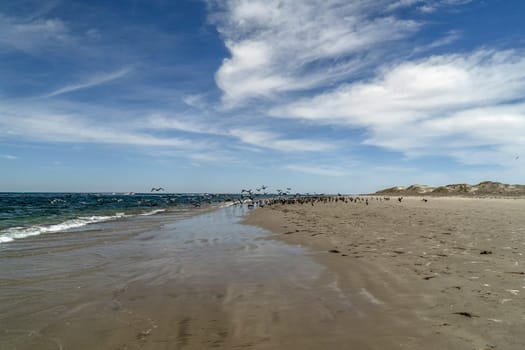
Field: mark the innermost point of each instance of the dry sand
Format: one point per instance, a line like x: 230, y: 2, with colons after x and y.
x: 444, y: 274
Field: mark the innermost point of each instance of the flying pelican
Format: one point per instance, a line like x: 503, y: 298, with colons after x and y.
x: 156, y: 189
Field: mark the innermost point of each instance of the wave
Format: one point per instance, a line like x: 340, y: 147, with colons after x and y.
x: 226, y: 204
x: 153, y: 212
x: 13, y: 233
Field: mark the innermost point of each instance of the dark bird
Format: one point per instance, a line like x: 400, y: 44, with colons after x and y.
x: 157, y: 189
x: 400, y: 199
x: 517, y: 157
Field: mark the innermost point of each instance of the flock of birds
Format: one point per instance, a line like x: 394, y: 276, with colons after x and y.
x: 260, y: 197
x: 286, y: 197
x: 321, y: 199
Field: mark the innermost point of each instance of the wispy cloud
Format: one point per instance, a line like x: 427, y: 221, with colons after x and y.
x: 276, y: 142
x: 435, y: 105
x: 55, y: 127
x: 195, y: 101
x: 250, y: 136
x: 181, y: 124
x: 31, y: 35
x: 8, y: 156
x: 283, y: 46
x: 402, y: 3
x: 450, y: 37
x: 95, y: 80
x: 426, y: 6
x: 316, y: 170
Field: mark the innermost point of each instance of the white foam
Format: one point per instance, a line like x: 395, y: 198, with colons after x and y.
x: 14, y: 233
x: 227, y: 204
x: 153, y: 212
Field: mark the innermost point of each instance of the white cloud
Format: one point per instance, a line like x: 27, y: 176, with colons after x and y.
x: 31, y: 35
x: 450, y: 37
x: 212, y: 157
x: 181, y: 124
x: 195, y: 100
x: 316, y: 170
x: 425, y: 5
x: 275, y: 141
x: 97, y: 79
x: 281, y: 46
x: 249, y: 136
x: 427, y: 8
x: 452, y: 104
x: 8, y: 156
x: 402, y: 3
x: 55, y: 127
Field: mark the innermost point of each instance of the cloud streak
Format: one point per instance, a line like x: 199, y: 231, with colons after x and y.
x: 249, y: 136
x: 97, y: 79
x: 8, y: 156
x: 275, y: 141
x: 56, y: 127
x: 316, y: 170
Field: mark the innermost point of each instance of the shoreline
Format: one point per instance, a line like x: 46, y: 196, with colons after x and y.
x: 454, y: 263
x: 197, y: 282
x: 209, y: 280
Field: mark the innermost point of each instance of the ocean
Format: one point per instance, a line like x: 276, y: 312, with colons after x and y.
x: 31, y: 214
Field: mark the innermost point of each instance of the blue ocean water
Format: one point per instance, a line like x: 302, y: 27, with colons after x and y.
x: 29, y: 214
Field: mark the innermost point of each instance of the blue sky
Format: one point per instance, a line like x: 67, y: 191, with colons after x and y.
x: 215, y: 96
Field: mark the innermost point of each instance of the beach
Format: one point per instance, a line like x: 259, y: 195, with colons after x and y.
x: 442, y: 274
x: 450, y: 269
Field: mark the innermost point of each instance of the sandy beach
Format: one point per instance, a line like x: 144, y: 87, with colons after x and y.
x: 184, y: 281
x: 448, y: 273
x: 442, y: 274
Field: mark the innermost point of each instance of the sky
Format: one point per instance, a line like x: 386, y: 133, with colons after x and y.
x: 321, y: 96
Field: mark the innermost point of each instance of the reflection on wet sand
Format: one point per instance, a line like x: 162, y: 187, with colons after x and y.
x: 197, y: 282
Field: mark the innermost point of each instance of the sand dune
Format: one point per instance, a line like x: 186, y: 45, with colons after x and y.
x: 483, y: 189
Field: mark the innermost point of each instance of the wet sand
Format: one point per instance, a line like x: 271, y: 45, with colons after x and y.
x: 445, y: 274
x: 174, y: 281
